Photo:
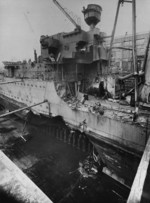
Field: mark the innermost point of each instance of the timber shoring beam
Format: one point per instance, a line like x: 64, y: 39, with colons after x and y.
x: 139, y: 180
x: 124, y: 48
x: 21, y: 109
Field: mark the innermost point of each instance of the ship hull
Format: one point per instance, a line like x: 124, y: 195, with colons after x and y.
x: 113, y: 138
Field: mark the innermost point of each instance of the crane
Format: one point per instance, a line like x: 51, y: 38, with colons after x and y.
x: 67, y: 15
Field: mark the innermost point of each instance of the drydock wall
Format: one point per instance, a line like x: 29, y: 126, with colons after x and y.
x: 16, y: 183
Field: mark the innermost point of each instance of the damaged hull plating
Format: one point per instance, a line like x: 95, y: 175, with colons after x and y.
x: 116, y: 131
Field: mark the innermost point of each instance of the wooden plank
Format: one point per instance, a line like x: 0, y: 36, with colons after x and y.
x: 21, y: 109
x: 14, y: 182
x: 139, y: 180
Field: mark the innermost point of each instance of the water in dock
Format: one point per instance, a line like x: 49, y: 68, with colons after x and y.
x: 53, y: 161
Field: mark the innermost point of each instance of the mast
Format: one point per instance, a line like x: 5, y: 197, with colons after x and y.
x: 135, y: 68
x: 113, y: 34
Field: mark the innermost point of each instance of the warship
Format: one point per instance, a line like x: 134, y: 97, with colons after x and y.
x: 98, y: 84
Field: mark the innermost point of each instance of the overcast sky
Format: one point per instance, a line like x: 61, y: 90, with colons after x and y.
x: 22, y: 22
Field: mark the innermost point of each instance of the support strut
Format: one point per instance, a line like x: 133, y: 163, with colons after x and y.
x: 21, y: 109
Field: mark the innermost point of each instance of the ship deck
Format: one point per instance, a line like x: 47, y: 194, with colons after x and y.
x: 115, y: 109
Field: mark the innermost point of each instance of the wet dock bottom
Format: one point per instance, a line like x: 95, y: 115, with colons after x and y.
x: 53, y: 165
